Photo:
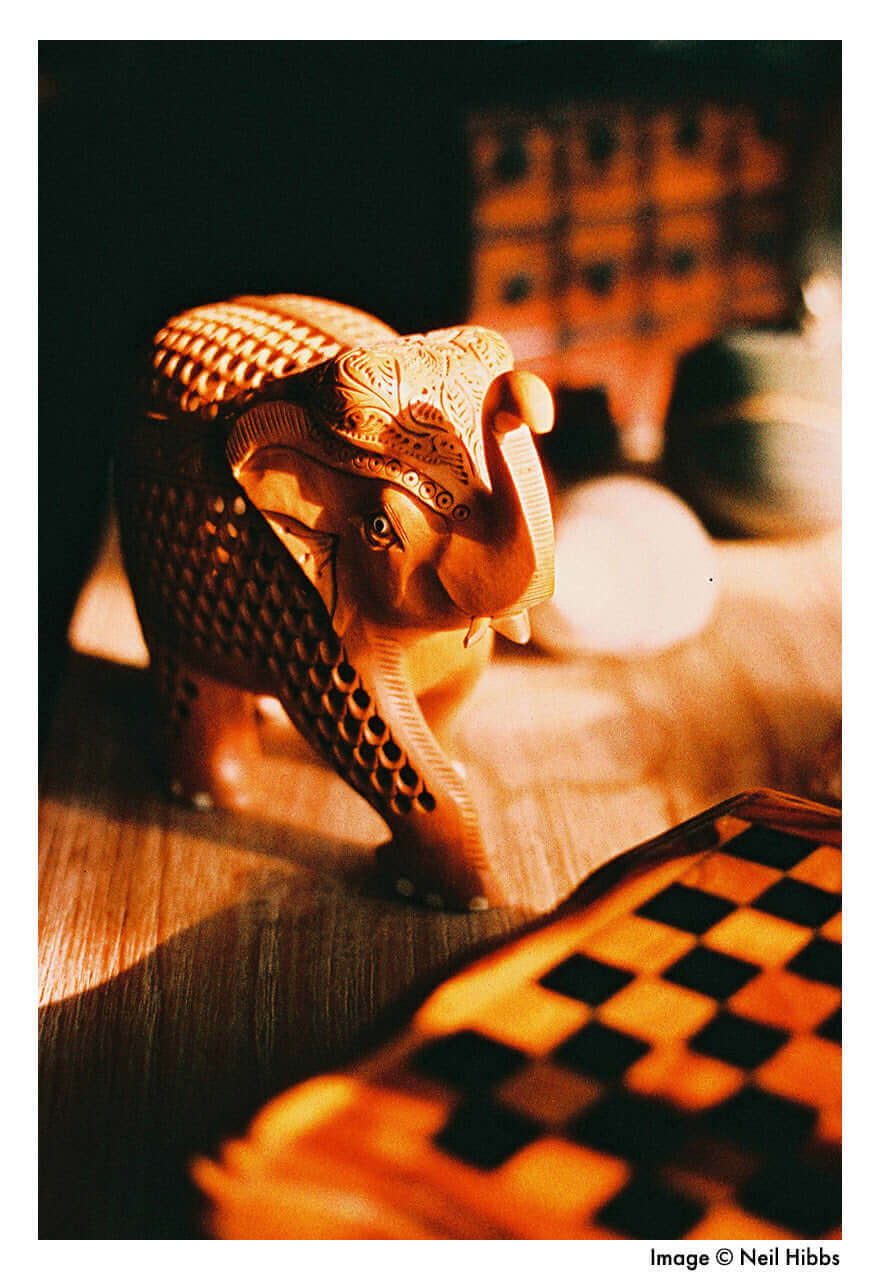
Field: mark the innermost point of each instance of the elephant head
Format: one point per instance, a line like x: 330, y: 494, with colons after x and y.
x: 404, y: 480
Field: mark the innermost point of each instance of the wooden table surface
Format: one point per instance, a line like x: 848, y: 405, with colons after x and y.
x: 192, y: 965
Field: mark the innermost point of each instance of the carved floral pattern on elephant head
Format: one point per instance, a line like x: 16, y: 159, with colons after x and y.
x: 403, y: 479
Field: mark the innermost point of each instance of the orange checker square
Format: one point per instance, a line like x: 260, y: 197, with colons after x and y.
x: 833, y: 929
x: 822, y: 868
x: 756, y: 936
x: 387, y: 1118
x: 729, y: 1222
x: 531, y: 1018
x: 689, y: 1079
x: 549, y: 1093
x: 658, y: 1010
x: 405, y: 1111
x: 785, y: 1000
x: 829, y: 1126
x: 807, y: 1068
x: 727, y: 826
x: 563, y: 1179
x: 397, y: 1135
x: 644, y: 945
x: 731, y: 877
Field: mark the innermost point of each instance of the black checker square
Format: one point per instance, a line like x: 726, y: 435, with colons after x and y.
x: 691, y: 910
x: 484, y: 1133
x: 711, y: 972
x: 820, y: 960
x: 583, y: 978
x: 799, y: 1193
x: 760, y: 1121
x: 777, y: 849
x: 600, y: 1052
x: 640, y: 1129
x: 467, y: 1060
x: 739, y: 1041
x: 832, y: 1028
x: 647, y: 1210
x: 798, y: 902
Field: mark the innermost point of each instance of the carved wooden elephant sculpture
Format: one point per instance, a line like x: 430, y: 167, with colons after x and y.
x: 315, y: 507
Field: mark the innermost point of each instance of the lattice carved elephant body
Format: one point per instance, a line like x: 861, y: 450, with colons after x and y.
x: 315, y: 507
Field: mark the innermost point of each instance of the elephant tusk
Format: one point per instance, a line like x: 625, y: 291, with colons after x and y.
x: 516, y: 627
x: 476, y: 631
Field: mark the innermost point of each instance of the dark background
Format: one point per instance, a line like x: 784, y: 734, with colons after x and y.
x: 173, y: 174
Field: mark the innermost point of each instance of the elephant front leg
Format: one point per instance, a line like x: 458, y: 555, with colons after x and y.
x: 356, y: 704
x: 437, y: 854
x: 210, y: 739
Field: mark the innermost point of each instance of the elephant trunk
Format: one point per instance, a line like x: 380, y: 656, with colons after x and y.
x: 502, y: 565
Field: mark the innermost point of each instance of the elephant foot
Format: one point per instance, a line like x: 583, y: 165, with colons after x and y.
x: 462, y: 888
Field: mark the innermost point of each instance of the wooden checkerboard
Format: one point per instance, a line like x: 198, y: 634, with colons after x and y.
x: 661, y: 1060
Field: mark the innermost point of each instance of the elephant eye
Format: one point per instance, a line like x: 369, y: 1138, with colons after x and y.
x: 378, y: 531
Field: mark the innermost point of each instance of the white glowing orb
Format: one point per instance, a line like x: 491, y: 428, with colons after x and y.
x: 636, y: 572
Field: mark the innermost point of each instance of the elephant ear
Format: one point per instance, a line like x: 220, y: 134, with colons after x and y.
x: 301, y: 498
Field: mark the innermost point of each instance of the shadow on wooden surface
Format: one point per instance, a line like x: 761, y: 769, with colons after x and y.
x: 177, y: 1053
x: 194, y: 965
x: 104, y: 758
